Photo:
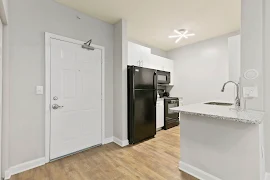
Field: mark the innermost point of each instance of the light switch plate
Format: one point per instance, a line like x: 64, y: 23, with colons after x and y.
x: 250, y: 92
x: 39, y: 90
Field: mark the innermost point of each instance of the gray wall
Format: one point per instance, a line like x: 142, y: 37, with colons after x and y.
x: 201, y: 69
x: 29, y: 20
x: 1, y: 89
x: 267, y: 83
x: 120, y: 81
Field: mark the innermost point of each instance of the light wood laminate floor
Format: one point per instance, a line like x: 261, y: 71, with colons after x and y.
x: 155, y: 159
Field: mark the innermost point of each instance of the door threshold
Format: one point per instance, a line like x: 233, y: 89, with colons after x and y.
x: 77, y: 152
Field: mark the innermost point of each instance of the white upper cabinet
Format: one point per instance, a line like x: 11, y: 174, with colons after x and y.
x: 170, y: 68
x: 141, y: 56
x: 138, y: 55
x: 157, y: 62
x: 163, y: 64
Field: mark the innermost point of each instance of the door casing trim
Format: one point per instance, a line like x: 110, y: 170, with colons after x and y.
x: 48, y: 37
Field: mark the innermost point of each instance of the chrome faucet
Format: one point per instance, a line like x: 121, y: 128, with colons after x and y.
x: 237, y: 99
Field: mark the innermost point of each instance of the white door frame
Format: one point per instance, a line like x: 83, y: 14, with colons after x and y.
x: 48, y: 37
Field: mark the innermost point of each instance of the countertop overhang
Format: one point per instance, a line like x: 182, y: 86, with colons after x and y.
x: 221, y: 112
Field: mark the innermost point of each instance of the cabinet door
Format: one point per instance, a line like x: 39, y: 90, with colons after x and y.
x: 160, y: 114
x: 145, y: 57
x: 170, y: 68
x: 157, y: 62
x: 134, y: 54
x: 168, y: 65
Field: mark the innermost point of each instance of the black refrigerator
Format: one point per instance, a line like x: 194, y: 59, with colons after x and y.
x: 142, y: 98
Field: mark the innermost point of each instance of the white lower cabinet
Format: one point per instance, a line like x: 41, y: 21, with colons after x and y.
x: 160, y: 114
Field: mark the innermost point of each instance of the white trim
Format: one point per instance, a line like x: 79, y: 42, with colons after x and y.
x: 120, y: 142
x: 7, y: 174
x: 267, y: 176
x: 48, y: 37
x: 24, y: 167
x: 197, y: 173
x: 261, y: 151
x: 108, y: 140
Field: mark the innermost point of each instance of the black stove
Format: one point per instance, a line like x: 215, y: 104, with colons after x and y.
x: 171, y: 118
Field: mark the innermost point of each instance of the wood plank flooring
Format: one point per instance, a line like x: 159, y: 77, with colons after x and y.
x: 155, y: 159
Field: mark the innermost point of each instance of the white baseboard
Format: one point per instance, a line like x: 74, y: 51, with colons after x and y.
x: 108, y: 140
x: 120, y: 142
x: 196, y: 172
x: 39, y: 162
x: 24, y: 167
x: 267, y: 176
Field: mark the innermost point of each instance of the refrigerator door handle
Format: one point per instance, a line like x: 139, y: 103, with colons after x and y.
x: 155, y: 88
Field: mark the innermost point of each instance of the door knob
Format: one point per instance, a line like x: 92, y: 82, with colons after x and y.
x: 56, y: 106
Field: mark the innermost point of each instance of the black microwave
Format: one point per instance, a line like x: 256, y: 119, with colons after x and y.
x: 163, y: 77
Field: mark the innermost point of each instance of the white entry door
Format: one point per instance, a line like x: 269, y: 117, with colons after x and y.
x: 76, y: 100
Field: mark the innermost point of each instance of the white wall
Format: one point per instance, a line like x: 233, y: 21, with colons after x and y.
x: 201, y: 69
x: 252, y: 58
x: 120, y: 81
x: 29, y: 20
x: 267, y: 83
x: 225, y: 149
x: 252, y: 47
x: 234, y: 46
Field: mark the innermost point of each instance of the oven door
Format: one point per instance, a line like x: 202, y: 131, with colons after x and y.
x: 163, y: 77
x: 169, y: 113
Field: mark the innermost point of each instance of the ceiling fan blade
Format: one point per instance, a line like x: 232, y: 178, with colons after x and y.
x: 174, y: 36
x: 178, y: 39
x: 177, y: 32
x: 190, y: 34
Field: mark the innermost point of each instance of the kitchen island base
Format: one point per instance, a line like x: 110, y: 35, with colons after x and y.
x: 216, y: 149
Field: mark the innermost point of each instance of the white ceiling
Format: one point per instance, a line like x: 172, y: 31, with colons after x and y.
x: 152, y: 21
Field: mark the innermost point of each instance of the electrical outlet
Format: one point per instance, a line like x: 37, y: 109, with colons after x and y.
x: 250, y: 92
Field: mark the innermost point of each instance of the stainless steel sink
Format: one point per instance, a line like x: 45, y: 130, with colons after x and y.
x: 219, y: 104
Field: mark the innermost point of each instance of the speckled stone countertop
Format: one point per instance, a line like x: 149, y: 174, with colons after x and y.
x: 221, y: 112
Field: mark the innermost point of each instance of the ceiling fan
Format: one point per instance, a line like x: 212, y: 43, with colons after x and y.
x: 181, y: 33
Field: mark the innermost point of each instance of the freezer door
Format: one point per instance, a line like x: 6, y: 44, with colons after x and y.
x: 144, y: 115
x: 145, y: 78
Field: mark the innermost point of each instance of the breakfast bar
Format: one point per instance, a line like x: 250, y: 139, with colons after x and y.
x: 218, y: 142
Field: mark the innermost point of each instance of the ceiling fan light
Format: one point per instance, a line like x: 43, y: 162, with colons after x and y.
x: 180, y: 34
x: 177, y: 32
x: 185, y: 32
x: 178, y: 39
x: 174, y: 36
x: 190, y: 34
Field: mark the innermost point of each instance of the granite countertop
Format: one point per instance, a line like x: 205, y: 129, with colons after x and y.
x: 221, y: 112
